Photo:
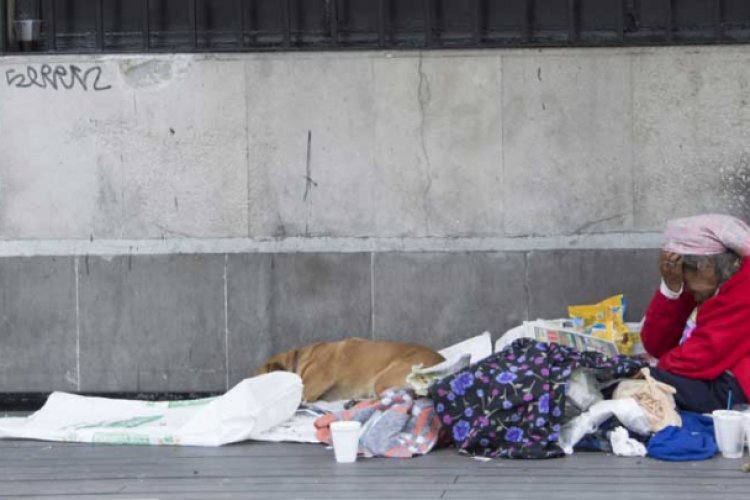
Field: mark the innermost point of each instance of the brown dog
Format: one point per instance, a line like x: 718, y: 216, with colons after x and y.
x: 354, y: 368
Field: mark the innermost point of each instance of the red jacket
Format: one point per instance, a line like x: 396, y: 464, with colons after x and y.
x: 720, y: 341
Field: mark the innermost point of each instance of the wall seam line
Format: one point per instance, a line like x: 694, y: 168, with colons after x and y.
x: 501, y: 120
x: 226, y: 323
x: 372, y: 295
x: 248, y: 210
x: 78, y: 325
x: 527, y: 284
x: 633, y: 183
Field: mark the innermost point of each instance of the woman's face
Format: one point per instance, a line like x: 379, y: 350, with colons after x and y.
x: 702, y: 282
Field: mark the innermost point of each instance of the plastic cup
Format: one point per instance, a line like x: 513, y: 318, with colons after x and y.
x: 729, y: 430
x: 345, y: 437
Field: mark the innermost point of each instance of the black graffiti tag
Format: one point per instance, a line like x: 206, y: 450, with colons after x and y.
x: 57, y: 77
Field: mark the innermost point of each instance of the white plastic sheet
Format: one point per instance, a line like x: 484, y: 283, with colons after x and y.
x: 478, y: 348
x: 301, y: 427
x: 248, y: 410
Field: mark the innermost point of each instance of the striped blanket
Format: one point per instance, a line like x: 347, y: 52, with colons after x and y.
x: 397, y: 425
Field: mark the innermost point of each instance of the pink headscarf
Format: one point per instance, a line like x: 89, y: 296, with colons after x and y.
x: 707, y: 235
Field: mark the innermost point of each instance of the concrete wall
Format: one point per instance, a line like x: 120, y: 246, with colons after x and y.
x: 169, y: 221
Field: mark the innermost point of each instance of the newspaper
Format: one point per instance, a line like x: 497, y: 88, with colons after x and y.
x: 559, y: 332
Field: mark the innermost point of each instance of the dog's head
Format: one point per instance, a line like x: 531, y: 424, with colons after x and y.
x: 278, y: 363
x: 271, y: 366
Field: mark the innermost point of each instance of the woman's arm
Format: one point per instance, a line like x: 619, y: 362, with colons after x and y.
x: 665, y: 322
x: 720, y: 339
x: 669, y: 309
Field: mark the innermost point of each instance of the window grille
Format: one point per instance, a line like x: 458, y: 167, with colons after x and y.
x: 113, y: 26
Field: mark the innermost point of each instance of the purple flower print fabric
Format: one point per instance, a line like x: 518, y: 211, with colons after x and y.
x: 511, y: 404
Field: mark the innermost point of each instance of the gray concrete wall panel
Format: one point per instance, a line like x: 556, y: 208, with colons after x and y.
x: 152, y: 323
x: 438, y: 299
x: 38, y: 348
x: 441, y: 144
x: 279, y: 302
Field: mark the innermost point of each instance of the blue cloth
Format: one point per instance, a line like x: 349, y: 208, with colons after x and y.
x: 693, y: 441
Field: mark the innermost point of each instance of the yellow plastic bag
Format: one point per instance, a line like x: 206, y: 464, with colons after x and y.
x: 606, y: 320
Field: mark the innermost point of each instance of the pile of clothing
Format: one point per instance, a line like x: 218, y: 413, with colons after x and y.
x: 512, y: 404
x: 530, y: 400
x: 540, y: 400
x: 398, y: 425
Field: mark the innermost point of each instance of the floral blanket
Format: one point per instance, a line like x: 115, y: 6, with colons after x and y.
x: 512, y: 403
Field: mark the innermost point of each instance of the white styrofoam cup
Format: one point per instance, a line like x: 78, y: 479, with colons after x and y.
x: 345, y: 438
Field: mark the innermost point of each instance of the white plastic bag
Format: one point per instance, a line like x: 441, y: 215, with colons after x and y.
x: 583, y: 390
x: 626, y: 410
x: 625, y: 446
x: 248, y: 409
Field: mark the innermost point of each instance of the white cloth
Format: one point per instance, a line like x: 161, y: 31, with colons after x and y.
x: 664, y: 289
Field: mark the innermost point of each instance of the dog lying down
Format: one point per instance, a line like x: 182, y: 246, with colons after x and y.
x: 353, y: 368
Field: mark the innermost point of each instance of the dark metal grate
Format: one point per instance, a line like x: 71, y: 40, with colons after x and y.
x: 3, y: 25
x: 83, y: 26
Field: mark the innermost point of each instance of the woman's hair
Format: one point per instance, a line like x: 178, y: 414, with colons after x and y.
x: 724, y: 264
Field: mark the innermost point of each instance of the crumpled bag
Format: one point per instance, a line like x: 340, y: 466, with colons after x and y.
x: 625, y: 446
x: 627, y: 411
x: 654, y: 397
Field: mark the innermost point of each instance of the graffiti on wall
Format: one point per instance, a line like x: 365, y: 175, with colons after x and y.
x: 57, y: 77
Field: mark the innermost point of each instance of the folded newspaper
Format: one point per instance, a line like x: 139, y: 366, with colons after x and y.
x: 559, y: 331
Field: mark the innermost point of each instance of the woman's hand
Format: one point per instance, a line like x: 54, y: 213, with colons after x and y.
x: 670, y: 265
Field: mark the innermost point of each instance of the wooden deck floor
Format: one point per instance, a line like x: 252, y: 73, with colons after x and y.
x: 288, y: 471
